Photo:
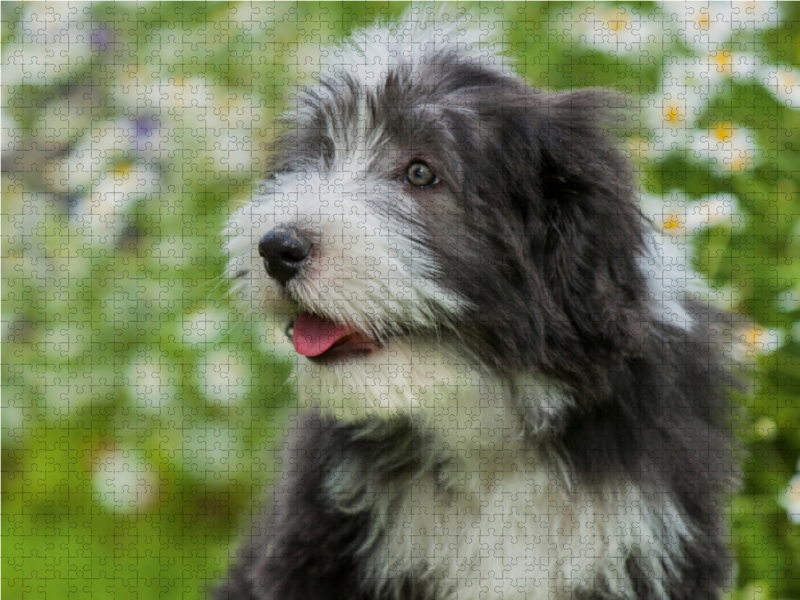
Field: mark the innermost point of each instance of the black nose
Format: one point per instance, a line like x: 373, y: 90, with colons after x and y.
x: 284, y: 250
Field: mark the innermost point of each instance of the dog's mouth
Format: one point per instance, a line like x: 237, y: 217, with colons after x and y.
x: 326, y: 341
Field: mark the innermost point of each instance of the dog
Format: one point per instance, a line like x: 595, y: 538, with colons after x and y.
x: 501, y: 392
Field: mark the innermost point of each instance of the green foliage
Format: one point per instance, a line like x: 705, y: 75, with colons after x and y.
x: 140, y: 410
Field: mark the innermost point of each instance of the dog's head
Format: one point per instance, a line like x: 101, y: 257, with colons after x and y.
x: 423, y: 196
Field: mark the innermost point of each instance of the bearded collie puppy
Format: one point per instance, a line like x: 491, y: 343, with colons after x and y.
x: 503, y: 393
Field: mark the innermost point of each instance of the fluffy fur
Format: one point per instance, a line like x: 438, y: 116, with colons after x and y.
x: 541, y: 416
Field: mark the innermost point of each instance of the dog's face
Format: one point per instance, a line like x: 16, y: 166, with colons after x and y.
x: 433, y: 219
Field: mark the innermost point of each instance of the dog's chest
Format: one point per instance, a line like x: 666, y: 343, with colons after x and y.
x: 508, y: 528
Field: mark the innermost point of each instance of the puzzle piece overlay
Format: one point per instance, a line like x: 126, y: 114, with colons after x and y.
x: 143, y: 410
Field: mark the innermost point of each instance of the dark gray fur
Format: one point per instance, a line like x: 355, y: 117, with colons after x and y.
x: 541, y: 238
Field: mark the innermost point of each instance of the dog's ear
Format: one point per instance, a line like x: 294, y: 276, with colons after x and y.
x: 591, y: 231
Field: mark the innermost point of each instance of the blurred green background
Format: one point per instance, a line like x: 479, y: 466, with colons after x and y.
x: 139, y: 410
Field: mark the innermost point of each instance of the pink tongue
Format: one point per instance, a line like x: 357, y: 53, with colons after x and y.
x: 314, y: 335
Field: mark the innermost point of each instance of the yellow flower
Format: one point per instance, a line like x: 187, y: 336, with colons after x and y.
x: 722, y: 131
x: 617, y: 20
x: 674, y: 113
x: 673, y: 222
x: 761, y: 340
x: 702, y: 21
x: 723, y: 59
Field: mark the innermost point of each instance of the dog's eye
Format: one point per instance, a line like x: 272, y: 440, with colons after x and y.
x: 419, y: 174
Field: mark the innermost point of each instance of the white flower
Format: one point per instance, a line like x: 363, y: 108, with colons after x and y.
x: 205, y: 326
x: 678, y: 217
x: 760, y: 340
x: 56, y: 36
x: 704, y: 26
x: 223, y: 376
x: 761, y: 14
x: 688, y: 85
x: 722, y: 64
x: 151, y: 383
x: 55, y: 383
x: 712, y: 210
x: 10, y: 130
x: 783, y: 82
x: 688, y: 76
x: 104, y: 210
x: 788, y: 301
x: 104, y: 144
x: 671, y: 117
x: 65, y: 341
x: 699, y: 77
x: 790, y: 499
x: 124, y: 482
x: 217, y: 122
x: 304, y: 61
x: 135, y: 87
x: 667, y: 212
x: 727, y: 148
x: 618, y: 29
x: 755, y: 340
x: 672, y: 113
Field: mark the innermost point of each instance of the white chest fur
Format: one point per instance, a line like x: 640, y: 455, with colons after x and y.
x: 509, y: 526
x: 504, y: 517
